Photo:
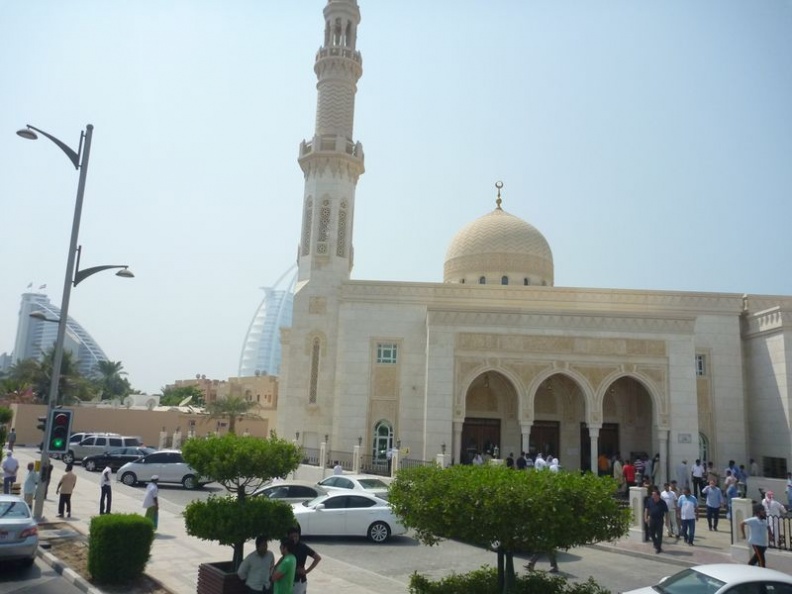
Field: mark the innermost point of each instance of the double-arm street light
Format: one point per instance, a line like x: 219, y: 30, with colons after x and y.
x: 73, y: 277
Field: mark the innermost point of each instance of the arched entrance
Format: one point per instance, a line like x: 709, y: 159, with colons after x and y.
x: 490, y: 417
x: 627, y: 411
x: 559, y: 410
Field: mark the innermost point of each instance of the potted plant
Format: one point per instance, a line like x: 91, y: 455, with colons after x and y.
x: 241, y: 464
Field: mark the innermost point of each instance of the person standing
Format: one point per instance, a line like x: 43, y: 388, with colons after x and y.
x: 10, y: 468
x: 682, y: 476
x: 759, y: 537
x: 754, y: 468
x: 510, y: 460
x: 151, y: 501
x: 66, y: 488
x: 618, y: 473
x: 106, y: 496
x: 301, y: 553
x: 256, y: 568
x: 520, y: 462
x: 540, y: 463
x: 670, y: 499
x: 337, y: 468
x: 714, y: 500
x: 284, y: 572
x: 789, y: 489
x: 628, y: 470
x: 698, y: 478
x: 29, y: 488
x: 688, y: 515
x: 654, y: 515
x: 655, y: 468
x: 774, y: 511
x: 12, y: 439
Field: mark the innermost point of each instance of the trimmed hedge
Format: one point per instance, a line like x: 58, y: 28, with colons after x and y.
x: 119, y: 546
x: 485, y: 581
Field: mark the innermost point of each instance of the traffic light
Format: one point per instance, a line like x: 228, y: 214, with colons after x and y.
x: 42, y: 424
x: 58, y: 431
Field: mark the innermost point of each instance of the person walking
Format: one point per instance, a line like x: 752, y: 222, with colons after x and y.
x: 11, y: 439
x: 688, y: 515
x: 151, y: 501
x: 256, y: 568
x: 106, y: 495
x: 65, y: 488
x: 29, y: 487
x: 301, y: 553
x: 714, y: 499
x: 551, y: 556
x: 284, y: 572
x: 759, y: 535
x: 654, y: 515
x: 774, y: 511
x: 337, y: 468
x: 670, y: 499
x: 10, y: 468
x: 628, y: 470
x: 682, y: 475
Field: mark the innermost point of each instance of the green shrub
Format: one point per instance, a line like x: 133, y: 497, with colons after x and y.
x: 119, y: 546
x: 485, y: 581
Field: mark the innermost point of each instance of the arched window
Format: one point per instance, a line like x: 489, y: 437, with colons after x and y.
x: 504, y: 280
x: 526, y: 281
x: 482, y: 280
x: 704, y: 448
x: 383, y: 440
x: 312, y: 390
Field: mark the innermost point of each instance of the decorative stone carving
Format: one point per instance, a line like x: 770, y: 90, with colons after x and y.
x: 317, y: 305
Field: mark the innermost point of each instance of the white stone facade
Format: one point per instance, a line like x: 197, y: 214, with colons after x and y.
x: 509, y: 362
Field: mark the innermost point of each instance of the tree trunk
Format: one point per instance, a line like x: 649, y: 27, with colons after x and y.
x: 501, y: 577
x: 239, y: 553
x: 509, y: 575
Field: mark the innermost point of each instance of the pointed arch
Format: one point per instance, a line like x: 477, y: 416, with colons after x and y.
x: 579, y: 379
x: 659, y: 409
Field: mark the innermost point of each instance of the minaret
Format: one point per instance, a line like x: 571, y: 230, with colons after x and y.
x: 332, y: 161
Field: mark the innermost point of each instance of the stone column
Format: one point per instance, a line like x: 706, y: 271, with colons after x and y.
x: 662, y: 474
x: 637, y: 496
x: 525, y: 432
x: 457, y: 447
x: 356, y: 459
x: 594, y: 449
x: 177, y: 438
x: 323, y: 457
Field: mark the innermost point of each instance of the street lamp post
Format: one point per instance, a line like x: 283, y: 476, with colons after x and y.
x: 72, y: 277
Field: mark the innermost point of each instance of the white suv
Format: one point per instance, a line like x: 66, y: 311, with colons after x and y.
x: 98, y: 443
x: 168, y: 465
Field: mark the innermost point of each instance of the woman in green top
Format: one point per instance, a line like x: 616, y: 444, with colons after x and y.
x: 283, y: 572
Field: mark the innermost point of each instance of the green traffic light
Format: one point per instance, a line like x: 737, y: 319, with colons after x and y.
x: 57, y: 443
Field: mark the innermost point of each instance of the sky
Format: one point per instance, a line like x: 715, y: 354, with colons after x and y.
x: 650, y: 142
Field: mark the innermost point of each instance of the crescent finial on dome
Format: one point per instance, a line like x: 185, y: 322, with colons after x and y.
x: 499, y: 185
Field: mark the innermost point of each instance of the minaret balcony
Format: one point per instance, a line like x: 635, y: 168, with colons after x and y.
x: 339, y: 52
x: 331, y: 144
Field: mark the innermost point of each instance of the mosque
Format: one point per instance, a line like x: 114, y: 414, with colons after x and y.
x: 498, y: 355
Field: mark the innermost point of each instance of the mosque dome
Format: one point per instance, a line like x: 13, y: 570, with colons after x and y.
x: 499, y: 248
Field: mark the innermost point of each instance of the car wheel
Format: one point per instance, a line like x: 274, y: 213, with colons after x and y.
x: 129, y: 479
x: 190, y: 482
x: 379, y: 532
x: 68, y: 458
x: 89, y: 465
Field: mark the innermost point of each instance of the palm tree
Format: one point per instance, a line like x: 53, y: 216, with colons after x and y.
x: 107, y: 376
x: 233, y: 408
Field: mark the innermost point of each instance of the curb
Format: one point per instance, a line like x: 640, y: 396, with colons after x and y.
x: 67, y: 573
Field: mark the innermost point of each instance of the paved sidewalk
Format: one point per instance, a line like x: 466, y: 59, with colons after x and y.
x: 176, y: 556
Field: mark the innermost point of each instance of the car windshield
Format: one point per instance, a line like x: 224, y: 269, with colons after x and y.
x: 689, y: 580
x: 13, y: 509
x: 372, y: 484
x: 314, y: 501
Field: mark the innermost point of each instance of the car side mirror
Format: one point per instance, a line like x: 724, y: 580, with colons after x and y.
x: 320, y: 506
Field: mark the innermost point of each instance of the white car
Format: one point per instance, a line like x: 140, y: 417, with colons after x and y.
x: 346, y: 513
x: 168, y: 465
x: 356, y: 482
x: 290, y: 491
x: 722, y: 578
x: 18, y: 531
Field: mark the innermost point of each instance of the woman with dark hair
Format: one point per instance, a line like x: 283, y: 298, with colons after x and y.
x: 283, y: 572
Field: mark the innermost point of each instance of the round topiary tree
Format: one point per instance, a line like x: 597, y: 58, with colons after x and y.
x: 241, y: 464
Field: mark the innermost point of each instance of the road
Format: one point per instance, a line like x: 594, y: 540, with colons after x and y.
x: 38, y: 579
x: 398, y: 558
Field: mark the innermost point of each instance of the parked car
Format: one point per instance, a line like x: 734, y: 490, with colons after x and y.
x: 169, y: 465
x: 76, y: 438
x: 348, y: 513
x: 115, y: 459
x: 722, y: 578
x: 290, y: 491
x: 18, y: 531
x: 357, y: 482
x: 98, y: 444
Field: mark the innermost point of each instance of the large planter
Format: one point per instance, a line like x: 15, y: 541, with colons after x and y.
x: 219, y: 578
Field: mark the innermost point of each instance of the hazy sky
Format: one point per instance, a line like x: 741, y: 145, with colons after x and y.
x: 651, y: 143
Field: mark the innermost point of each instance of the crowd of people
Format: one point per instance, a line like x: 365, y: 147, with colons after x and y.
x: 263, y: 575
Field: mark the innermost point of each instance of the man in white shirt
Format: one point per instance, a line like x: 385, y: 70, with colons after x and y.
x: 758, y: 539
x: 539, y: 463
x: 151, y: 501
x: 698, y: 472
x: 688, y: 514
x: 683, y: 478
x: 256, y: 568
x: 672, y: 526
x: 338, y: 469
x: 10, y: 468
x: 106, y: 497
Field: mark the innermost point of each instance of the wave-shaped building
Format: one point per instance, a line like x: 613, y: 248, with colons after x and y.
x: 35, y: 336
x: 261, y: 351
